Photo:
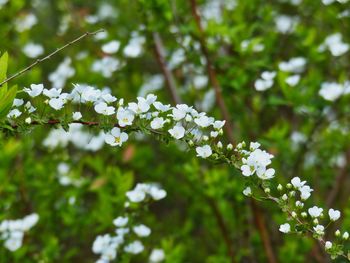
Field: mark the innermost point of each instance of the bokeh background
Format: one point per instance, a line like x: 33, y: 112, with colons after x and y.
x: 165, y: 47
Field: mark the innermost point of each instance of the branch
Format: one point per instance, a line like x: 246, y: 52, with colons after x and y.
x: 259, y: 219
x: 212, y: 74
x: 168, y: 76
x: 49, y: 56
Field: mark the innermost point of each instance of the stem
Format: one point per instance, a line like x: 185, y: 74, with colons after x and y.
x: 212, y: 74
x: 49, y: 56
x: 168, y: 76
x: 259, y: 218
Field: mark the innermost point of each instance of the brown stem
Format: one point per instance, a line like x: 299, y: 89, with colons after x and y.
x: 212, y: 74
x: 168, y: 76
x: 259, y: 218
x: 39, y: 60
x: 339, y: 182
x: 223, y: 228
x: 261, y: 225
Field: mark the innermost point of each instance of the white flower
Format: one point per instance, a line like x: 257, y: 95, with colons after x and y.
x: 136, y: 195
x: 106, y: 66
x: 177, y: 132
x: 305, y: 192
x: 345, y: 235
x: 334, y: 215
x: 29, y: 221
x: 157, y: 193
x: 100, y: 243
x: 120, y: 221
x: 13, y: 114
x: 33, y: 50
x: 108, y: 98
x: 142, y: 230
x: 157, y: 123
x: 204, y: 121
x: 52, y: 93
x: 115, y: 137
x: 268, y: 75
x: 254, y: 145
x: 104, y: 109
x: 161, y: 107
x: 335, y: 45
x: 285, y: 228
x: 331, y: 91
x: 247, y: 170
x: 111, y: 47
x: 180, y: 111
x: 285, y: 24
x: 218, y: 124
x: 157, y: 255
x: 261, y: 85
x: 204, y: 151
x: 294, y: 65
x: 297, y: 183
x: 247, y: 191
x: 319, y: 229
x: 293, y: 80
x: 125, y: 117
x: 34, y: 90
x: 135, y: 247
x: 17, y: 102
x: 141, y: 106
x: 265, y: 174
x: 13, y: 244
x: 76, y: 115
x: 315, y: 211
x: 57, y: 103
x: 328, y: 245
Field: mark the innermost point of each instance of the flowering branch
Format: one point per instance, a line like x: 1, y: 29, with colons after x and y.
x: 182, y: 123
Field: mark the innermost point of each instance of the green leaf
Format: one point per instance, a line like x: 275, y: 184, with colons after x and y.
x: 3, y: 71
x: 6, y: 101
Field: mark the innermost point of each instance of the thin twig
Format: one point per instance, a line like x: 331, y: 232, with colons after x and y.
x: 168, y: 76
x: 39, y: 60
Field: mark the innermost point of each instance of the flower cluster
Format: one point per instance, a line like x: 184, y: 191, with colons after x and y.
x: 181, y: 122
x: 128, y: 233
x: 308, y: 219
x: 12, y: 231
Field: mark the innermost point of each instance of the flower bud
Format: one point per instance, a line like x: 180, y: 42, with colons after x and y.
x: 315, y: 221
x: 190, y: 143
x: 188, y: 118
x: 294, y: 214
x: 279, y: 187
x: 304, y: 214
x: 205, y: 138
x: 289, y: 186
x: 267, y: 190
x: 345, y: 235
x: 229, y: 147
x: 284, y: 197
x: 292, y: 193
x: 337, y: 233
x: 221, y: 132
x: 28, y: 120
x: 219, y: 144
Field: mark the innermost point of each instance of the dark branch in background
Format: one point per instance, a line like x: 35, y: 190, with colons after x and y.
x: 168, y: 76
x: 212, y: 74
x: 258, y: 215
x: 39, y: 60
x: 171, y: 86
